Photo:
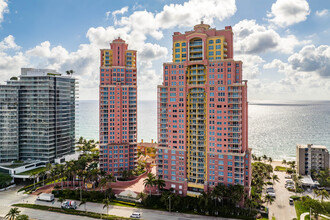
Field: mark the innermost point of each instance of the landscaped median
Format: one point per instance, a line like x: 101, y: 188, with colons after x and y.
x: 69, y: 211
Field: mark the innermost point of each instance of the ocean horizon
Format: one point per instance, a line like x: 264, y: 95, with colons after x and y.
x: 275, y: 127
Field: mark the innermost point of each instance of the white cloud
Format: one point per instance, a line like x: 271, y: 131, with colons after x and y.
x: 251, y: 65
x: 252, y: 38
x: 312, y: 59
x: 118, y: 12
x: 322, y: 13
x: 3, y: 9
x: 288, y: 12
x: 8, y: 43
x: 121, y: 11
x: 107, y: 14
x: 193, y: 11
x: 10, y: 64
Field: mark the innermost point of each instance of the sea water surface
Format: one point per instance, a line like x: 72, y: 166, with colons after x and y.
x: 275, y: 128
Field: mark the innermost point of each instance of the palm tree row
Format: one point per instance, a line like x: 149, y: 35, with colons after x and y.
x: 262, y: 158
x: 85, y: 169
x: 151, y: 181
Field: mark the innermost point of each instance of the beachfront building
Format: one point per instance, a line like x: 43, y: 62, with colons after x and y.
x: 311, y: 157
x: 37, y: 121
x: 203, y: 114
x: 118, y: 108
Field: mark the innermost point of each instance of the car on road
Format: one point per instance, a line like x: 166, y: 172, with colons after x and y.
x: 135, y: 215
x: 291, y: 201
x: 288, y: 182
x: 287, y: 177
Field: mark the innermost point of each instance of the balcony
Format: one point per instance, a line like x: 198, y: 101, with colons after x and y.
x: 198, y: 55
x: 196, y: 43
x: 194, y: 50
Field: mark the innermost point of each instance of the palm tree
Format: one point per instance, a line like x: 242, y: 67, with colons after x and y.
x: 160, y: 183
x: 324, y: 194
x: 316, y: 193
x: 69, y: 72
x: 264, y: 157
x: 270, y: 160
x: 42, y: 174
x: 12, y: 214
x: 284, y: 162
x: 61, y: 200
x: 297, y: 180
x: 103, y: 183
x: 106, y: 204
x: 83, y: 202
x: 269, y: 199
x: 149, y: 181
x: 34, y: 176
x: 275, y: 178
x: 22, y: 217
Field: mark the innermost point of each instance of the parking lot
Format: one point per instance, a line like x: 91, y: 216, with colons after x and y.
x: 280, y: 208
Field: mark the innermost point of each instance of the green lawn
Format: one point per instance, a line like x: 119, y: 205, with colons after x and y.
x: 280, y: 168
x: 70, y: 211
x: 300, y: 208
x: 30, y: 172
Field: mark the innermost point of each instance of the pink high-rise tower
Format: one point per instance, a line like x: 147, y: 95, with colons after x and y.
x: 203, y: 114
x: 118, y: 108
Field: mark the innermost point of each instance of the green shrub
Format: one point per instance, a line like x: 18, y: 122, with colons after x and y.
x: 125, y: 203
x: 280, y: 168
x: 70, y: 211
x: 295, y: 197
x: 269, y: 183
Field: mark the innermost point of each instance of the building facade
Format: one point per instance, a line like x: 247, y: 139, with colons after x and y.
x: 9, y: 145
x: 203, y: 114
x: 311, y: 157
x: 118, y: 108
x: 38, y: 115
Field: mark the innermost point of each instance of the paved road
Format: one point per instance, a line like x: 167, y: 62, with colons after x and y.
x: 9, y: 197
x: 281, y: 208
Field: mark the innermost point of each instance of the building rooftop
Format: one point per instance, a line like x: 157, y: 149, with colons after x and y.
x: 42, y: 72
x: 311, y: 145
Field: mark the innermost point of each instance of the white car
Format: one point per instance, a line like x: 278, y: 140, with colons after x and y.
x: 272, y: 194
x: 135, y: 215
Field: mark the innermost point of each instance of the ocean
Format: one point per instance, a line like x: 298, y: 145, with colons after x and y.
x: 275, y: 128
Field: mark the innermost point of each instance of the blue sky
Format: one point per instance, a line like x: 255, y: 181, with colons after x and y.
x: 284, y: 44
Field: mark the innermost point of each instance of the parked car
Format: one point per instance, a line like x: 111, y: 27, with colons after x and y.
x: 291, y: 201
x: 135, y: 215
x: 69, y: 205
x: 270, y: 189
x: 289, y: 181
x: 287, y: 177
x: 272, y: 194
x: 289, y: 186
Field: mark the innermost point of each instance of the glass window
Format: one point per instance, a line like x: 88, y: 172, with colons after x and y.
x: 177, y: 44
x: 218, y: 41
x: 211, y: 41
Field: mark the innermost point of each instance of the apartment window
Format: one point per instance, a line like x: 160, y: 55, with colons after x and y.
x: 211, y: 41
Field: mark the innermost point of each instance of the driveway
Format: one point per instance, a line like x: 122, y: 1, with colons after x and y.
x: 281, y: 208
x: 9, y: 197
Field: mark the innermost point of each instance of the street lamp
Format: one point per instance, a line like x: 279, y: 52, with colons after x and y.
x: 169, y: 209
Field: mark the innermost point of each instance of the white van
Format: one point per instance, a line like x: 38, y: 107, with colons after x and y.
x: 135, y: 215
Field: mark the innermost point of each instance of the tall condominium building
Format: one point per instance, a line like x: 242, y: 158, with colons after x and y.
x: 311, y: 157
x: 203, y: 114
x: 37, y: 116
x: 118, y: 108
